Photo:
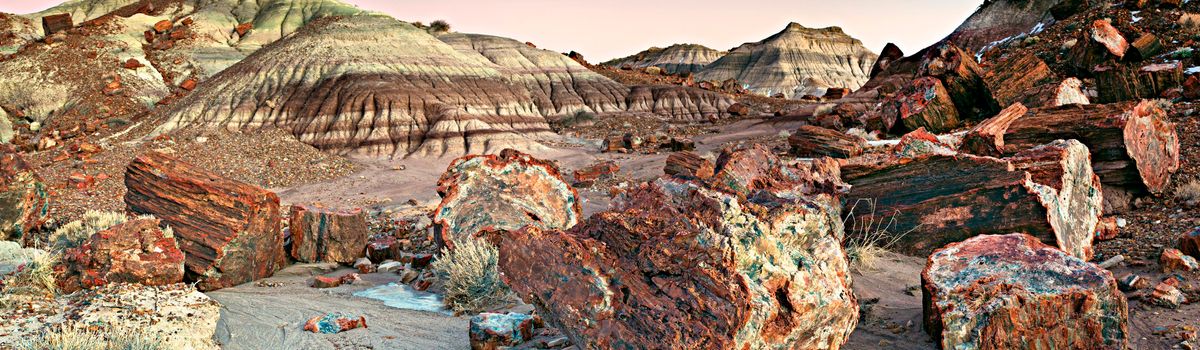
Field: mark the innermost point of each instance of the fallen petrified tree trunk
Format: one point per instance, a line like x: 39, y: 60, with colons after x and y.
x: 921, y: 103
x: 1098, y: 45
x: 506, y: 191
x: 1010, y: 291
x: 228, y: 230
x: 963, y: 79
x: 1133, y: 145
x: 815, y: 141
x: 330, y: 235
x: 687, y: 164
x: 928, y: 200
x: 987, y: 138
x: 23, y: 197
x: 1119, y: 83
x: 748, y: 260
x: 1012, y: 78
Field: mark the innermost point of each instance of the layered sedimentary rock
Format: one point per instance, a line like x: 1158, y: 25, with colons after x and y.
x: 228, y: 230
x: 1010, y: 291
x: 795, y: 62
x: 486, y: 193
x: 998, y: 20
x: 136, y: 251
x: 373, y: 85
x: 674, y: 59
x: 931, y: 198
x: 331, y: 235
x: 750, y: 259
x: 24, y: 199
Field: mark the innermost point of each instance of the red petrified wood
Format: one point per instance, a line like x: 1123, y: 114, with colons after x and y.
x: 330, y: 235
x: 1010, y: 291
x: 228, y: 230
x: 137, y: 251
x: 815, y: 141
x: 23, y: 197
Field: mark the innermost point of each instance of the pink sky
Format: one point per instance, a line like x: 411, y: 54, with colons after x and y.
x: 607, y: 29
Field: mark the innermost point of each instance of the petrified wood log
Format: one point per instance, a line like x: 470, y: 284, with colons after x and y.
x: 1010, y: 291
x: 987, y: 138
x: 688, y: 165
x: 136, y: 251
x: 890, y: 53
x: 963, y: 79
x: 56, y: 23
x: 1100, y: 44
x: 228, y: 230
x: 933, y: 199
x: 814, y: 141
x: 922, y: 103
x: 23, y: 197
x: 1133, y: 145
x: 1119, y: 83
x: 602, y: 170
x: 1068, y: 91
x: 1146, y: 46
x: 329, y: 235
x: 680, y: 264
x: 507, y: 191
x: 1012, y: 78
x: 1189, y: 243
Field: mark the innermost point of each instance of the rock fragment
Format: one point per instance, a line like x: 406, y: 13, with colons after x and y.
x: 24, y: 198
x: 688, y: 165
x: 136, y: 251
x: 502, y: 192
x: 1189, y: 243
x: 328, y: 234
x: 491, y: 331
x: 648, y: 273
x: 228, y: 230
x: 56, y: 23
x: 589, y: 175
x: 1174, y: 260
x: 1009, y: 291
x: 1167, y: 295
x: 334, y: 323
x: 815, y: 141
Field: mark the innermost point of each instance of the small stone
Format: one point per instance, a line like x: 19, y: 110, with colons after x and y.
x: 1167, y: 295
x: 162, y: 26
x: 390, y: 266
x: 1174, y: 260
x: 364, y: 265
x: 334, y: 323
x: 1131, y: 282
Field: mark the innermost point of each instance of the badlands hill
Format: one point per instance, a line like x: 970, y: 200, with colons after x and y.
x: 337, y: 77
x: 674, y: 59
x: 795, y: 62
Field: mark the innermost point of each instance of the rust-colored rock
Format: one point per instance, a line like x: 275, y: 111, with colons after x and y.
x: 1010, y: 291
x: 738, y: 109
x: 492, y: 331
x: 815, y: 141
x: 137, y: 251
x: 1107, y: 229
x: 1174, y: 260
x: 962, y: 78
x: 329, y: 235
x: 334, y: 323
x: 1134, y: 146
x: 1013, y: 78
x: 688, y: 165
x: 189, y: 84
x: 1145, y: 47
x: 987, y: 138
x: 243, y: 28
x: 923, y: 102
x: 24, y: 199
x: 588, y: 176
x: 163, y: 26
x: 56, y: 23
x: 133, y: 63
x: 686, y: 264
x: 482, y: 193
x: 1100, y: 44
x: 1189, y: 243
x: 228, y: 230
x: 1166, y: 294
x: 942, y: 197
x: 889, y: 54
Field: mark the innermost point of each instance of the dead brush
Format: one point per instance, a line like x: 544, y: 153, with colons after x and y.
x: 1188, y: 193
x: 868, y: 239
x: 471, y: 277
x: 73, y: 338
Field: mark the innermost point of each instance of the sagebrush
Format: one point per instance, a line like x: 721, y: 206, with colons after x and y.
x: 74, y: 233
x: 471, y: 278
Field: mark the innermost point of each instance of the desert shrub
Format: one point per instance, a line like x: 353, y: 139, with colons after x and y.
x: 1188, y: 193
x: 439, y: 26
x: 868, y: 239
x: 578, y: 118
x: 70, y: 338
x: 74, y: 233
x: 470, y: 277
x: 35, y: 278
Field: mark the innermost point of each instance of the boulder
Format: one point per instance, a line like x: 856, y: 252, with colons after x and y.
x: 23, y: 197
x: 136, y: 251
x: 329, y: 235
x: 491, y: 331
x: 228, y: 230
x: 923, y: 102
x: 750, y: 259
x: 1010, y: 291
x: 56, y: 23
x: 502, y: 192
x: 1189, y: 243
x: 1174, y: 260
x: 689, y: 165
x: 738, y: 109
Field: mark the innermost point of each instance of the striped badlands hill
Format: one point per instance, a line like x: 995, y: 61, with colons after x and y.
x: 375, y: 86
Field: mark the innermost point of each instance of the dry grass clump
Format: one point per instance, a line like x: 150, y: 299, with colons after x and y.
x: 74, y: 233
x: 70, y: 338
x: 439, y: 26
x: 471, y: 278
x: 868, y: 240
x: 1188, y: 193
